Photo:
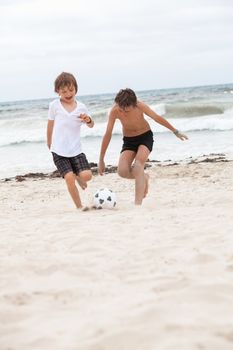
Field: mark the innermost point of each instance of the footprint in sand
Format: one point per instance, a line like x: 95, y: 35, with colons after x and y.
x: 204, y: 258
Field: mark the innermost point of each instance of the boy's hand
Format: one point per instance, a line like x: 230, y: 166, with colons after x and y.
x: 101, y: 167
x: 85, y: 118
x: 180, y: 135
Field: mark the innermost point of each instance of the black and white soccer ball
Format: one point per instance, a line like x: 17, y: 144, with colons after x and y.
x: 104, y: 199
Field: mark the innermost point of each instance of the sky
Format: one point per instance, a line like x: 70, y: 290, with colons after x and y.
x: 108, y: 45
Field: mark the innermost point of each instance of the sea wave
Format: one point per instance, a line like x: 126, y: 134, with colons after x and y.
x: 23, y: 142
x: 187, y: 109
x: 218, y: 122
x: 25, y: 107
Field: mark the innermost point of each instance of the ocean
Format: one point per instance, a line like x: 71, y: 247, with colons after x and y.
x: 203, y: 113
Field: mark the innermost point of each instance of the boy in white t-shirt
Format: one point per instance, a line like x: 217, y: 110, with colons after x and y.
x: 65, y: 118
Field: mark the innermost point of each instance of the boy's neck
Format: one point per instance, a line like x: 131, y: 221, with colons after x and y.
x: 69, y: 106
x: 69, y: 102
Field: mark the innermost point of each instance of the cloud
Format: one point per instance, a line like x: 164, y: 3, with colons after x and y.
x: 112, y: 43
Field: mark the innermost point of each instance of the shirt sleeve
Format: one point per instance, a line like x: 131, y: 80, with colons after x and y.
x: 51, y: 112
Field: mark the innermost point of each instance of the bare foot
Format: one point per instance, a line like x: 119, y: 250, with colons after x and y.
x: 88, y: 208
x: 81, y: 183
x: 146, y: 185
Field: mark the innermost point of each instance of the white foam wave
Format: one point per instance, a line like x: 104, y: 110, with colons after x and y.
x: 23, y: 132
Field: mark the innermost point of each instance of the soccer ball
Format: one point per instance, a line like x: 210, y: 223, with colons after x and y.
x: 104, y: 199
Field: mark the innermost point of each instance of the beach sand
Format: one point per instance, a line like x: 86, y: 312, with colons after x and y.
x: 155, y: 277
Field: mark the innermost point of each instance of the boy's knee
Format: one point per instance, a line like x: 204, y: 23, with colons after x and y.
x: 86, y: 175
x: 89, y: 176
x: 138, y: 167
x: 138, y: 163
x: 122, y: 172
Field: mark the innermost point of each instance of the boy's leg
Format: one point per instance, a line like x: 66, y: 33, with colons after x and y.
x: 70, y: 182
x: 83, y: 177
x: 126, y: 170
x: 82, y: 169
x: 141, y: 179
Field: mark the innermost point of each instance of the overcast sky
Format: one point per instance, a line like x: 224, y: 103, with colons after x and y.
x: 110, y: 45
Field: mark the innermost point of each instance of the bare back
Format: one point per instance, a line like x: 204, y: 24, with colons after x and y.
x: 132, y: 120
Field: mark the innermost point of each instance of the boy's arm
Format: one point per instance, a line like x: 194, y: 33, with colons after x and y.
x: 105, y: 141
x: 157, y: 118
x: 49, y: 132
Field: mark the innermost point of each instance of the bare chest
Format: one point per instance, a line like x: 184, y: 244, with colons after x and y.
x: 131, y: 119
x: 133, y: 123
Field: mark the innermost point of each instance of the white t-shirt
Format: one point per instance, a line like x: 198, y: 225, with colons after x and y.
x: 66, y: 130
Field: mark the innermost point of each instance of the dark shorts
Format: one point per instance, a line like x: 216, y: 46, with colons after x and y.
x: 66, y: 164
x: 132, y: 143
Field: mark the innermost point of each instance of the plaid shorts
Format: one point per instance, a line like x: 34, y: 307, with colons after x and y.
x: 75, y: 164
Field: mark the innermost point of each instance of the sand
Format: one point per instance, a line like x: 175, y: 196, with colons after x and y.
x: 155, y: 277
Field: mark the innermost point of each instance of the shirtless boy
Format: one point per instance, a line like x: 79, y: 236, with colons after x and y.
x: 137, y: 139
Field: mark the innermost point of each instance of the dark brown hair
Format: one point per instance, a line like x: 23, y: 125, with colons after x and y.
x: 65, y: 80
x: 126, y: 98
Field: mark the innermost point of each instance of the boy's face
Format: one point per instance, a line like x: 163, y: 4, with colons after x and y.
x: 67, y: 93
